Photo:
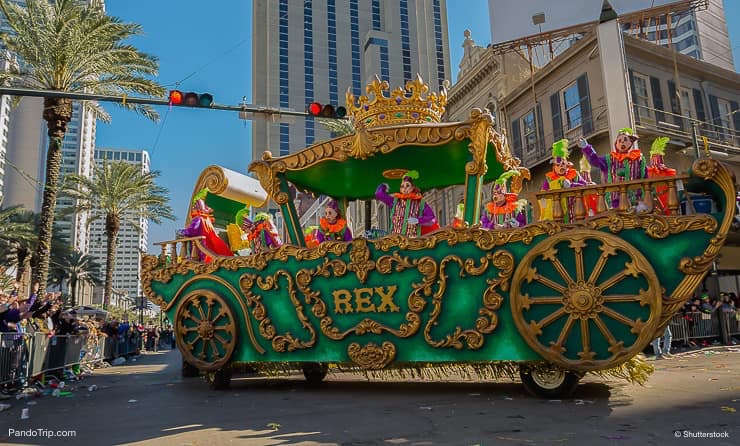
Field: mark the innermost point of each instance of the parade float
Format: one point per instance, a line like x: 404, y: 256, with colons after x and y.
x: 548, y: 301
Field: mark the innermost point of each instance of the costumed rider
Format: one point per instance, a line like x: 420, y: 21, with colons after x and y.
x: 261, y: 232
x: 332, y: 227
x: 309, y: 236
x: 459, y: 220
x: 562, y: 176
x: 625, y: 163
x: 591, y: 201
x: 658, y: 169
x: 410, y: 216
x: 504, y: 210
x: 238, y: 240
x: 201, y: 224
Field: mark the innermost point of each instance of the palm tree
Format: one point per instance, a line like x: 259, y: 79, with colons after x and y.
x: 77, y: 268
x: 66, y: 45
x: 117, y: 192
x: 16, y: 236
x: 20, y: 250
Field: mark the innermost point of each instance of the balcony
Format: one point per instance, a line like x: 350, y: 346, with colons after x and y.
x: 724, y: 141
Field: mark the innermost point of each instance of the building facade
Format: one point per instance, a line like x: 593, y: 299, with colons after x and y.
x: 315, y: 50
x: 131, y: 242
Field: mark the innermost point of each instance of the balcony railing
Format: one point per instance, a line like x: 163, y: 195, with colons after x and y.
x: 187, y: 248
x: 576, y: 195
x: 680, y: 126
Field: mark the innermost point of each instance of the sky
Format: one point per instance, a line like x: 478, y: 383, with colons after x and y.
x: 209, y: 49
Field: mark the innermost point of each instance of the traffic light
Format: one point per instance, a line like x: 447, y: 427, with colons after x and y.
x: 190, y: 99
x: 326, y: 111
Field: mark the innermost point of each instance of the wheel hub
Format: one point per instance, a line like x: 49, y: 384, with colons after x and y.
x: 583, y: 299
x: 205, y: 330
x: 548, y: 378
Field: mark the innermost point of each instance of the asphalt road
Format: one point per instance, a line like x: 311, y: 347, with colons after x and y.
x: 147, y: 403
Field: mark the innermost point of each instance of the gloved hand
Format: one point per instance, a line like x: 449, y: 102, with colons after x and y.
x: 582, y: 143
x: 383, y: 187
x: 566, y: 183
x: 413, y: 220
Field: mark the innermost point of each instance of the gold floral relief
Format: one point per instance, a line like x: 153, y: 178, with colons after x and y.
x: 370, y: 356
x: 280, y: 342
x: 492, y: 300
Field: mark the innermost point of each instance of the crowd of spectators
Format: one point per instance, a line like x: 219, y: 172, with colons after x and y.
x: 37, y: 314
x: 706, y: 306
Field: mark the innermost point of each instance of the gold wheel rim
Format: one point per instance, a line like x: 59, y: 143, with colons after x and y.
x: 583, y: 297
x: 206, y: 333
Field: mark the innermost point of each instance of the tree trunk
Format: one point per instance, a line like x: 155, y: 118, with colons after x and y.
x: 112, y: 225
x: 57, y: 114
x: 21, y: 254
x: 73, y: 291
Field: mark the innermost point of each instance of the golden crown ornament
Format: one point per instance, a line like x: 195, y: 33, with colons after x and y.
x: 403, y: 106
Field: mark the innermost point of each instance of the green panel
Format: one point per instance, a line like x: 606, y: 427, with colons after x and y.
x: 357, y: 179
x: 224, y: 209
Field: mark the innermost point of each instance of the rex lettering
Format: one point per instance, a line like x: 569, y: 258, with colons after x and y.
x: 366, y: 300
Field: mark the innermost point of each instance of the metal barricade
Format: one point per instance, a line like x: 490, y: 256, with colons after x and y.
x: 14, y: 354
x: 679, y: 328
x: 39, y: 353
x: 703, y: 325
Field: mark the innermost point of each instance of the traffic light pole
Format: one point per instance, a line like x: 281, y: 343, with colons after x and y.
x: 150, y: 101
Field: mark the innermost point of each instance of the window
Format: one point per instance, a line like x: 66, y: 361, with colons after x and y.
x: 725, y: 114
x: 572, y: 107
x: 529, y: 132
x: 642, y: 96
x: 687, y: 103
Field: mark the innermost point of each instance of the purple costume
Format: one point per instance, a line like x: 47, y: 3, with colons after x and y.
x: 402, y: 208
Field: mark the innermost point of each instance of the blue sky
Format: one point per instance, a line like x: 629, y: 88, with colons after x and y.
x: 209, y: 49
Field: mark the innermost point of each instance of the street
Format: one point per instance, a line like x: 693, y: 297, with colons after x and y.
x: 147, y: 402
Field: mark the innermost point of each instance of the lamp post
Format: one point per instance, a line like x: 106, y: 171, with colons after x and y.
x: 141, y: 309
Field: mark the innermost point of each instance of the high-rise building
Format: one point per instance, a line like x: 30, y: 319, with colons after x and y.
x: 314, y: 50
x: 27, y: 143
x: 131, y: 243
x: 700, y: 33
x: 5, y: 63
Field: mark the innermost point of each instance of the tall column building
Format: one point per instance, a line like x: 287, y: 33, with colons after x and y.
x: 314, y: 50
x: 131, y: 243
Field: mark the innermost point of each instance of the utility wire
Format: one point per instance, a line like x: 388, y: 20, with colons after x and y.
x: 214, y: 59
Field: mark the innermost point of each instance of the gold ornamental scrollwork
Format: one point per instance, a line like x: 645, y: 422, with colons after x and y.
x: 280, y: 342
x: 488, y: 318
x: 696, y: 268
x: 359, y: 259
x: 370, y: 356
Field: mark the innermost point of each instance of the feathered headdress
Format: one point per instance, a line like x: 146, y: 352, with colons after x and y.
x: 500, y: 185
x: 263, y: 216
x: 658, y: 146
x: 239, y: 217
x: 411, y: 175
x: 560, y: 151
x: 201, y: 195
x: 629, y: 132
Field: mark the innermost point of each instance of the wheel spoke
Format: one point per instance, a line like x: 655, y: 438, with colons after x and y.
x: 621, y: 298
x: 200, y: 311
x: 630, y: 269
x: 578, y: 246
x: 546, y: 300
x: 558, y: 345
x: 220, y: 339
x: 549, y: 283
x: 551, y: 255
x: 551, y: 318
x: 614, y: 345
x: 605, y: 253
x: 209, y: 302
x: 188, y: 315
x: 586, y: 354
x: 214, y: 349
x: 618, y: 317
